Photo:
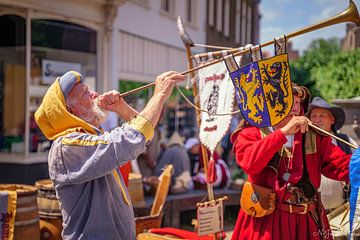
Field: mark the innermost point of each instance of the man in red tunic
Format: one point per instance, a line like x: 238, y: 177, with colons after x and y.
x: 295, y: 216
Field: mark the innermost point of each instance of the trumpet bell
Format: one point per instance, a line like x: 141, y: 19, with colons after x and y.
x: 350, y: 14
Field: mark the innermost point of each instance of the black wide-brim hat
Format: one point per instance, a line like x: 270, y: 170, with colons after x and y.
x: 337, y: 112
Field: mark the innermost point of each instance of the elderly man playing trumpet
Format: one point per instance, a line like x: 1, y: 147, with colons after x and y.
x: 83, y: 160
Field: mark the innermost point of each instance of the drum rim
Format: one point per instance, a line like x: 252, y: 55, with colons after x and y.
x: 21, y: 189
x: 43, y: 184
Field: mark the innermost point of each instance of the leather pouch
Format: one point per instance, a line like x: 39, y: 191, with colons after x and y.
x: 257, y: 201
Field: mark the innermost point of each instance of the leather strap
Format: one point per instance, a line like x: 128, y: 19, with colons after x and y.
x: 296, y: 208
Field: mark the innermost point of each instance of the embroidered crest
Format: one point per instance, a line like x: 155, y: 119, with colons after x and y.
x: 263, y: 89
x: 216, y: 96
x: 276, y: 83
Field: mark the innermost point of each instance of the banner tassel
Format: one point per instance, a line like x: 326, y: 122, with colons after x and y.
x: 211, y: 174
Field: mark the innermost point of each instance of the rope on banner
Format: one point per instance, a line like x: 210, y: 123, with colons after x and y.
x: 203, y: 110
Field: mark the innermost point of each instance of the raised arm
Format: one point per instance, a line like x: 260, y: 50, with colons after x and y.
x: 335, y: 162
x: 164, y: 85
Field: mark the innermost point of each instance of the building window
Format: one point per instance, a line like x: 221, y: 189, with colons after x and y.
x: 227, y: 18
x: 62, y: 35
x: 243, y: 23
x: 168, y: 6
x: 219, y: 15
x: 190, y: 11
x: 211, y: 15
x: 165, y: 5
x: 57, y: 47
x: 144, y: 3
x: 12, y: 84
x: 249, y: 23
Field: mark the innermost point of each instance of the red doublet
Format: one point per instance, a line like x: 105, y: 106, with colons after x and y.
x: 253, y: 153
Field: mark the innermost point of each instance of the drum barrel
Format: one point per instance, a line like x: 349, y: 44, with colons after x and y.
x: 27, y: 217
x: 49, y: 211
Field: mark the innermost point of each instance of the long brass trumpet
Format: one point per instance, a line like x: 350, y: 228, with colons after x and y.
x: 348, y: 15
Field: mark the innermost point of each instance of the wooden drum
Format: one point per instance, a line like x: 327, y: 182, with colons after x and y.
x: 27, y: 217
x: 49, y: 211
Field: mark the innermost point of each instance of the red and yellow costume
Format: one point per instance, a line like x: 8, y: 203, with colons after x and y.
x: 254, y: 150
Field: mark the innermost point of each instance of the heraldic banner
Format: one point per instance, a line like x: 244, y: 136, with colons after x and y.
x: 8, y: 200
x: 263, y: 89
x: 216, y: 96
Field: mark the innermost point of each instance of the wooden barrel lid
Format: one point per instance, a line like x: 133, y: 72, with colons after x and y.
x: 21, y: 189
x: 45, y: 184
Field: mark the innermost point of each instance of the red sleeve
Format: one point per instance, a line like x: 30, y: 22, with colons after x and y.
x: 335, y: 163
x: 253, y: 152
x: 125, y: 171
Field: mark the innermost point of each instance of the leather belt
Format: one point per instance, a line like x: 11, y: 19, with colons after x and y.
x: 301, y: 208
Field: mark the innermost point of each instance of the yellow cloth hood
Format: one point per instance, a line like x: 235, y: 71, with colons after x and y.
x: 52, y: 116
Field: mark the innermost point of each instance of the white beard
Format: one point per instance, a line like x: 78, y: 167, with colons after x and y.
x: 96, y: 116
x: 99, y: 113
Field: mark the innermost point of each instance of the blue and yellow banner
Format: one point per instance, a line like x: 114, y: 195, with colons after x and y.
x: 8, y: 201
x: 263, y: 89
x: 354, y: 172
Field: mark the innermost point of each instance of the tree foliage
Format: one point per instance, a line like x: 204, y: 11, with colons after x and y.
x: 340, y: 77
x: 327, y: 71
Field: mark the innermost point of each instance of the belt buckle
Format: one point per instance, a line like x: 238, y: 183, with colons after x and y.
x: 305, y: 205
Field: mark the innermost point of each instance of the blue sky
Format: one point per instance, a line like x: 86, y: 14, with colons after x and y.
x: 286, y: 16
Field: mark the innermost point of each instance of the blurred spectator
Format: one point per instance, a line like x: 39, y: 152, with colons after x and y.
x: 176, y: 155
x: 148, y: 159
x: 330, y: 118
x: 192, y: 145
x: 197, y: 170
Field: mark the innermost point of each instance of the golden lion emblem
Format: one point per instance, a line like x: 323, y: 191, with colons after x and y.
x: 248, y: 99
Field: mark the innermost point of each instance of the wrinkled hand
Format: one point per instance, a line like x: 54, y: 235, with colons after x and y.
x: 296, y: 123
x: 165, y: 83
x: 111, y: 101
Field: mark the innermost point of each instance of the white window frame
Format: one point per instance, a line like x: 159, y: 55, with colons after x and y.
x: 227, y: 18
x: 211, y: 21
x: 193, y: 9
x: 237, y: 22
x: 171, y: 11
x: 143, y: 3
x: 32, y: 90
x: 243, y: 23
x: 219, y: 4
x: 249, y: 22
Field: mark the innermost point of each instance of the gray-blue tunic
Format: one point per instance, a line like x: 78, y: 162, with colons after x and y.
x: 81, y: 167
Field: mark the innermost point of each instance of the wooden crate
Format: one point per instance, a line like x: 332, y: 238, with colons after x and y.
x: 143, y: 224
x: 136, y: 190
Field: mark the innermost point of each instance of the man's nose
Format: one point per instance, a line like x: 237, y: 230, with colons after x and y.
x: 93, y: 94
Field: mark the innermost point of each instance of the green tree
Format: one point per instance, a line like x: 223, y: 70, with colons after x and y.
x: 315, y: 56
x: 327, y: 71
x: 340, y: 77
